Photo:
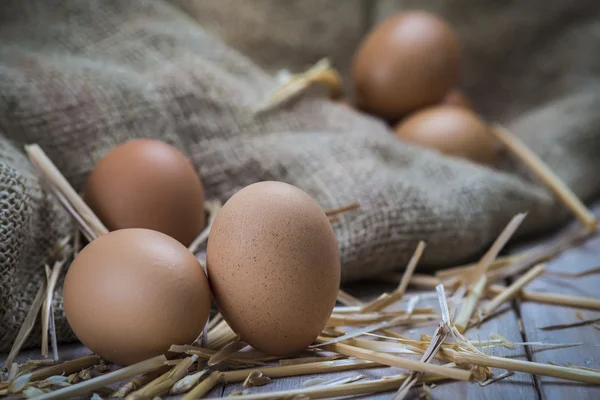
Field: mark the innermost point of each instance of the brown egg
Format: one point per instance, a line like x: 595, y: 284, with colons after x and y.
x: 132, y: 293
x: 147, y: 184
x: 456, y: 98
x: 273, y: 266
x: 409, y: 61
x: 451, y: 130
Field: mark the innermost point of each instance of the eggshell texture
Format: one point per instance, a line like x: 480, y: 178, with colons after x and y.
x: 273, y: 266
x: 149, y: 184
x: 409, y: 61
x: 132, y: 293
x: 451, y: 130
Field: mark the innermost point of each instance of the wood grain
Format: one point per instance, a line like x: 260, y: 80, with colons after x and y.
x: 519, y: 386
x: 536, y: 316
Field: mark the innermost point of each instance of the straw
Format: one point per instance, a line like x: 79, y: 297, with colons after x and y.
x: 300, y: 369
x: 545, y: 174
x: 387, y: 300
x: 165, y: 381
x: 26, y: 326
x: 203, y: 387
x: 479, y: 277
x: 551, y: 298
x: 105, y: 380
x: 226, y: 352
x: 325, y: 392
x: 89, y: 221
x: 338, y: 210
x: 321, y: 73
x: 65, y: 368
x: 513, y: 289
x: 537, y: 255
x: 573, y: 374
x: 399, y: 362
x: 47, y: 307
x: 139, y: 382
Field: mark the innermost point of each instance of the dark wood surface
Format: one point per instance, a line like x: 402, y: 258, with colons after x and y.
x: 519, y: 386
x: 536, y: 316
x: 533, y: 315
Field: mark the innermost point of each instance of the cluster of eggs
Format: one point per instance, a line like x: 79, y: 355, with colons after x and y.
x: 407, y: 71
x: 272, y: 260
x: 273, y: 266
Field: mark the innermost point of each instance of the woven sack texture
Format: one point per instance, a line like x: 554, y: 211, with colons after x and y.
x: 79, y: 78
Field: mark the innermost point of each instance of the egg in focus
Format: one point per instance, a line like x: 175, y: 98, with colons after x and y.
x: 451, y: 130
x: 274, y: 267
x: 131, y: 294
x: 408, y: 61
x: 146, y: 183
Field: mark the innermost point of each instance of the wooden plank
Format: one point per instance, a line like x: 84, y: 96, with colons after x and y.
x: 518, y: 386
x: 536, y: 316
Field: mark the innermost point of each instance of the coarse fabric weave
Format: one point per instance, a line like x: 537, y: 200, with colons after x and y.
x: 80, y: 77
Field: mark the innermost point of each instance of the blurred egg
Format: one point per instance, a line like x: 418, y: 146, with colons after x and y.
x: 343, y: 101
x: 456, y: 98
x: 131, y: 294
x: 149, y: 184
x: 451, y: 130
x: 273, y: 266
x: 409, y: 61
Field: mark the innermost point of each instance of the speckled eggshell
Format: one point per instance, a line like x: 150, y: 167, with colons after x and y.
x: 146, y: 183
x: 273, y: 266
x: 131, y: 294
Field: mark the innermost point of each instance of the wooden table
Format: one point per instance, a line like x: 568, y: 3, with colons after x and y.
x: 533, y: 316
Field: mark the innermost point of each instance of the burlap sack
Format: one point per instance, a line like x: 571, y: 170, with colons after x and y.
x: 278, y: 34
x: 81, y: 77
